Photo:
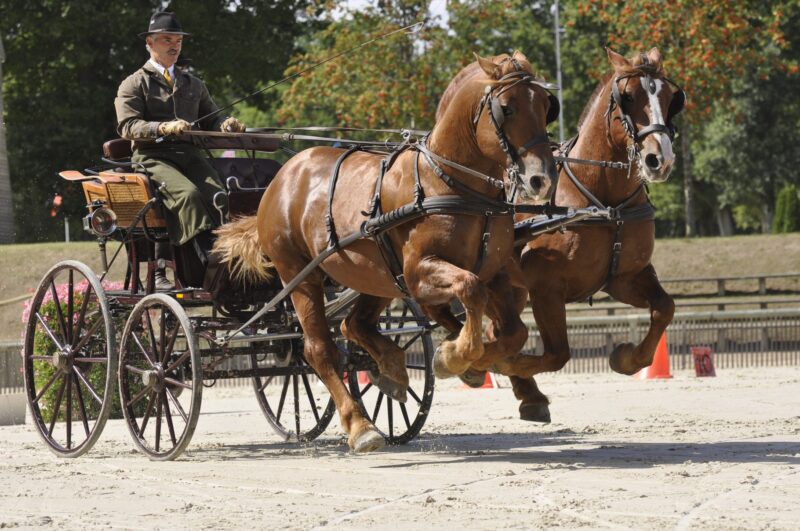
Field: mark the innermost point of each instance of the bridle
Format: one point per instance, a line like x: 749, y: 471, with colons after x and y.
x: 636, y: 135
x: 498, y: 112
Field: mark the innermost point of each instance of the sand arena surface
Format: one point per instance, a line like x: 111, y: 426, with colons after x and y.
x: 714, y: 453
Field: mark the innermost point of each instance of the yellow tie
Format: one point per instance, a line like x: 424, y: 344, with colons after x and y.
x: 168, y: 78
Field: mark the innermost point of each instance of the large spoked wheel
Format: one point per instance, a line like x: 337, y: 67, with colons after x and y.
x: 294, y: 400
x: 407, y: 326
x: 160, y: 377
x: 69, y: 358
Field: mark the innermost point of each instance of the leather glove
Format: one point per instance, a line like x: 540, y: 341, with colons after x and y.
x: 175, y: 127
x: 232, y: 125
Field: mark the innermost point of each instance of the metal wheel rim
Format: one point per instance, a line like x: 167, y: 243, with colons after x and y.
x: 79, y: 378
x: 160, y: 400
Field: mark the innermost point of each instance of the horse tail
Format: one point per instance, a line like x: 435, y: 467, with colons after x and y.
x: 237, y: 247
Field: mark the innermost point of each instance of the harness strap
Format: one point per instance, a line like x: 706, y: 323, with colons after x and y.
x: 333, y: 239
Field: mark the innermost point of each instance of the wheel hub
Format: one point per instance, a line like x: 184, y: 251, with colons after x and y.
x: 62, y: 359
x: 154, y: 378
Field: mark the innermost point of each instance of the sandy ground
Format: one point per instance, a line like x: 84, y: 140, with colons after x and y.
x: 715, y: 453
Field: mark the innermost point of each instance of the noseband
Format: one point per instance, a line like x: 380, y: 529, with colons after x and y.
x: 497, y: 115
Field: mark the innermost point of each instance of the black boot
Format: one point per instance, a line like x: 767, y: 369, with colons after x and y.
x: 161, y: 280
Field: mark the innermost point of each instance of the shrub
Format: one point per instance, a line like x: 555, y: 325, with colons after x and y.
x: 787, y: 211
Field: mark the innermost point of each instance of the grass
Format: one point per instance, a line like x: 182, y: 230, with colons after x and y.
x: 22, y: 266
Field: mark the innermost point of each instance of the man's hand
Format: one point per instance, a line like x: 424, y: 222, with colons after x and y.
x: 232, y: 125
x: 175, y: 127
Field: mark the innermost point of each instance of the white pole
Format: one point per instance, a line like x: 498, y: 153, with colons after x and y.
x: 558, y: 31
x: 66, y: 229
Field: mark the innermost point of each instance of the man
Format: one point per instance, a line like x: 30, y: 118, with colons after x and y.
x: 162, y: 101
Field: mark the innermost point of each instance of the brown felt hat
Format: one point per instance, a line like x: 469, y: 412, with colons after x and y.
x: 164, y: 22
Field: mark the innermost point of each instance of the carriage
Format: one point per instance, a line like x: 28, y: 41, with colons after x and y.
x: 86, y: 336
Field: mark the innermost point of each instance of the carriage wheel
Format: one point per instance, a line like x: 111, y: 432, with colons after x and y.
x: 69, y: 358
x: 160, y: 377
x: 408, y: 327
x: 294, y: 400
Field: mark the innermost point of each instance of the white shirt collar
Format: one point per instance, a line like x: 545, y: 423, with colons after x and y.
x: 161, y: 68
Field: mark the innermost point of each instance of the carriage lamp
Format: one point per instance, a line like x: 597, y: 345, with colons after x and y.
x: 103, y: 221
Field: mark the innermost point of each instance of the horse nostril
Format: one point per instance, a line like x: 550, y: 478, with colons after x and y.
x: 536, y: 183
x: 652, y: 162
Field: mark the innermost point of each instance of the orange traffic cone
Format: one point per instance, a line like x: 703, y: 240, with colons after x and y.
x: 660, y: 366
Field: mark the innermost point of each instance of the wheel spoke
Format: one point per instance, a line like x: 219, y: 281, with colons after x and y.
x: 91, y: 360
x: 296, y: 392
x: 138, y: 396
x: 148, y: 411
x: 57, y: 407
x: 414, y: 395
x: 283, y: 397
x: 390, y: 415
x: 141, y: 348
x: 62, y: 323
x: 81, y: 404
x: 267, y: 381
x: 85, y: 382
x: 69, y: 408
x: 405, y: 415
x: 89, y: 334
x: 377, y: 408
x: 366, y: 388
x: 175, y: 364
x: 49, y: 332
x: 47, y: 385
x: 82, y: 315
x: 70, y: 304
x: 173, y: 381
x: 171, y: 343
x: 413, y: 338
x: 310, y: 397
x: 136, y: 370
x: 40, y: 358
x: 158, y: 422
x: 177, y: 405
x: 168, y: 416
x: 162, y: 335
x: 151, y: 332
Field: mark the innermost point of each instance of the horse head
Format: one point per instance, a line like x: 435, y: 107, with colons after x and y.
x: 511, y: 109
x: 642, y: 104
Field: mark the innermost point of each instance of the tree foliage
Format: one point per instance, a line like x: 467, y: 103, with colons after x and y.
x: 787, y: 211
x: 65, y: 60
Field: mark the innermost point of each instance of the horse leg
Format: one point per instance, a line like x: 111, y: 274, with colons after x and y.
x: 360, y: 326
x: 551, y: 318
x: 442, y: 314
x: 435, y: 282
x: 643, y: 290
x: 324, y: 356
x: 506, y: 333
x: 534, y: 405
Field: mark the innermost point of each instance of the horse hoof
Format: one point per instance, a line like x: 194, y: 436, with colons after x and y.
x: 473, y: 378
x: 439, y: 368
x: 535, y: 412
x: 369, y: 441
x: 621, y: 359
x: 389, y: 387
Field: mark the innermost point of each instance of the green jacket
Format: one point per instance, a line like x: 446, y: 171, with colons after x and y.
x: 144, y: 100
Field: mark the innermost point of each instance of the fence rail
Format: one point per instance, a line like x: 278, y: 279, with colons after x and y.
x: 746, y: 338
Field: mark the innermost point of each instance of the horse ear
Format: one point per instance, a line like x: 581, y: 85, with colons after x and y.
x: 492, y: 70
x: 654, y: 56
x: 519, y: 56
x: 616, y: 60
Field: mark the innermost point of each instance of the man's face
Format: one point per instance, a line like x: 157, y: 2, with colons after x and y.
x: 165, y: 48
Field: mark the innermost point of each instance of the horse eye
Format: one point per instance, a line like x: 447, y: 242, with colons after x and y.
x: 627, y: 97
x: 507, y: 110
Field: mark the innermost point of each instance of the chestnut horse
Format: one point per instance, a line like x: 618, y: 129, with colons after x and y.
x: 442, y: 256
x: 627, y: 119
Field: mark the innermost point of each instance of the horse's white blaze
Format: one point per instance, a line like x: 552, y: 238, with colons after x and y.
x: 656, y: 117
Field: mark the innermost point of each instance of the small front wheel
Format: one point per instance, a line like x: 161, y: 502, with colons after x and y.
x: 160, y: 377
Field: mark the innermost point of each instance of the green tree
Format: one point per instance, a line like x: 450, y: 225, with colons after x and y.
x: 787, y: 211
x: 6, y: 202
x: 65, y: 60
x: 706, y: 47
